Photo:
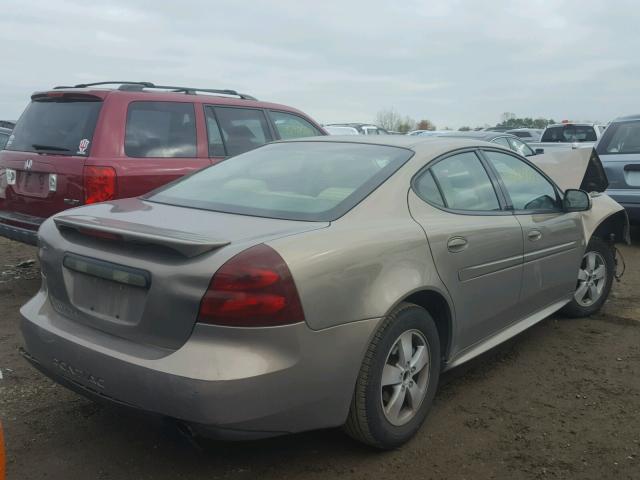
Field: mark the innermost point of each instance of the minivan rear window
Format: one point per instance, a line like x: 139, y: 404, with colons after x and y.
x: 623, y: 137
x: 569, y: 133
x: 56, y: 125
x: 313, y: 181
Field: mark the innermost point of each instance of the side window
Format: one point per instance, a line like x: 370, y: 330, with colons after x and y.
x: 292, y: 126
x: 502, y: 141
x: 426, y: 188
x: 527, y: 188
x: 160, y: 129
x: 242, y: 129
x: 464, y: 183
x: 3, y: 140
x: 216, y: 146
x: 520, y: 147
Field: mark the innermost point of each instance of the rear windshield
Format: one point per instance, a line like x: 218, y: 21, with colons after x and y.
x: 569, y: 133
x: 621, y: 137
x: 314, y: 181
x: 56, y: 125
x: 521, y: 134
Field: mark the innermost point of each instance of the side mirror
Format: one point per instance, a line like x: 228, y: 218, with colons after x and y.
x: 539, y: 151
x: 576, y: 201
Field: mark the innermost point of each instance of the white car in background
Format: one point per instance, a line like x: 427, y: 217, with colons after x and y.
x: 337, y: 130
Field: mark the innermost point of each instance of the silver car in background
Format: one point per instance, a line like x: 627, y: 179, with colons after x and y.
x: 316, y: 283
x: 619, y: 150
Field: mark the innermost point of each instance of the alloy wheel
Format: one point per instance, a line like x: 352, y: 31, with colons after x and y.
x: 405, y: 377
x: 592, y: 278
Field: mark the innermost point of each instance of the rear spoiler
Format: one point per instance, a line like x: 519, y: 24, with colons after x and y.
x: 186, y: 243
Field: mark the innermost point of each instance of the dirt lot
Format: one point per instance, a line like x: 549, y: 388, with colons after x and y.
x: 560, y: 401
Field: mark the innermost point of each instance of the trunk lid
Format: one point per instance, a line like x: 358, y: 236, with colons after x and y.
x: 44, y: 158
x: 138, y: 270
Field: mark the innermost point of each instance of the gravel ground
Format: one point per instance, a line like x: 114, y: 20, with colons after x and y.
x: 562, y: 400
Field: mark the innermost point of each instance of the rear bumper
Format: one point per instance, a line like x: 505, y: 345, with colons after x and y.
x: 229, y: 383
x: 19, y: 227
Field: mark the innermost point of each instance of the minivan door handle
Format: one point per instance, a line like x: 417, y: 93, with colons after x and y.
x: 457, y: 244
x: 534, y: 235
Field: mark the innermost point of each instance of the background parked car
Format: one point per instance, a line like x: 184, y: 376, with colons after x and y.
x: 89, y: 143
x: 568, y: 135
x: 501, y: 138
x: 362, y: 128
x: 527, y: 134
x: 619, y: 150
x: 7, y: 124
x: 337, y: 130
x: 4, y: 136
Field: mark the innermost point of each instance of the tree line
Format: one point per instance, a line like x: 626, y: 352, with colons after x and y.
x: 391, y: 120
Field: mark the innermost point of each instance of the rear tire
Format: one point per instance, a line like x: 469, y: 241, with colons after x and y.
x: 397, y: 381
x: 595, y: 277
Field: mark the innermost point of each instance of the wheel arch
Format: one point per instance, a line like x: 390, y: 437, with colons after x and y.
x: 614, y: 228
x: 441, y: 310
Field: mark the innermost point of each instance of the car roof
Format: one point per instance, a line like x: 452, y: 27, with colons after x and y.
x: 627, y: 118
x: 158, y: 95
x: 485, y: 135
x: 411, y: 142
x: 575, y: 124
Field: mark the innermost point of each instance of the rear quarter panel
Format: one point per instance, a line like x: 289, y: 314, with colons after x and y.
x: 365, y: 263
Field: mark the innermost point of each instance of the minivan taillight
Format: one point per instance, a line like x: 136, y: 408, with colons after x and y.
x: 99, y: 184
x: 252, y: 289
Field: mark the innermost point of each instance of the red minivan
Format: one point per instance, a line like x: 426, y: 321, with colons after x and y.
x: 90, y: 143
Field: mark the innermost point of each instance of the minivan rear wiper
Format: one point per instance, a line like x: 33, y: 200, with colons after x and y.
x: 38, y: 146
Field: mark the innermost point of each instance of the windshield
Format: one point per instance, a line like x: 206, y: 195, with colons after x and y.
x: 315, y: 181
x: 621, y: 137
x: 56, y: 125
x: 569, y: 133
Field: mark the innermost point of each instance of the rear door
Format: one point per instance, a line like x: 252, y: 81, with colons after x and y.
x: 44, y: 157
x: 553, y: 239
x: 619, y: 151
x: 160, y: 145
x: 235, y: 130
x: 476, y: 245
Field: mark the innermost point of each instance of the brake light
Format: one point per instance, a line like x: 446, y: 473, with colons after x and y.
x: 253, y: 289
x: 99, y: 184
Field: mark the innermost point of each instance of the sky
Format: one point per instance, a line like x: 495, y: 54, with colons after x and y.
x: 454, y: 62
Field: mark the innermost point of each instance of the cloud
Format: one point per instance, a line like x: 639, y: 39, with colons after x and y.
x: 455, y: 62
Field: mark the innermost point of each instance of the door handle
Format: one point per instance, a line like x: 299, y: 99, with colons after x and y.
x: 457, y: 244
x: 534, y: 235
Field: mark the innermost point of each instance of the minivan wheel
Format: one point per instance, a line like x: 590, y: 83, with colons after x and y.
x: 398, y: 379
x: 595, y: 277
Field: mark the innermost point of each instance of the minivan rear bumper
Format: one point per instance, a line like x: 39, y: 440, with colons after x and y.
x: 19, y: 227
x: 228, y: 382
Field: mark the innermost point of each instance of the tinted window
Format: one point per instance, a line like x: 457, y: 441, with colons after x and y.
x: 521, y: 134
x: 56, y: 125
x: 526, y: 187
x: 3, y: 140
x: 465, y: 184
x: 426, y: 188
x: 242, y: 129
x: 502, y: 141
x: 621, y: 137
x: 292, y: 126
x: 216, y: 145
x: 521, y: 147
x: 569, y: 133
x: 160, y: 129
x: 298, y: 181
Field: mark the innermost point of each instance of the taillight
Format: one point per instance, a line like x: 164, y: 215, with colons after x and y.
x: 253, y: 289
x: 99, y: 184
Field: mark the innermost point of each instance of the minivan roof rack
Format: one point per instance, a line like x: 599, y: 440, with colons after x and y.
x: 140, y: 86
